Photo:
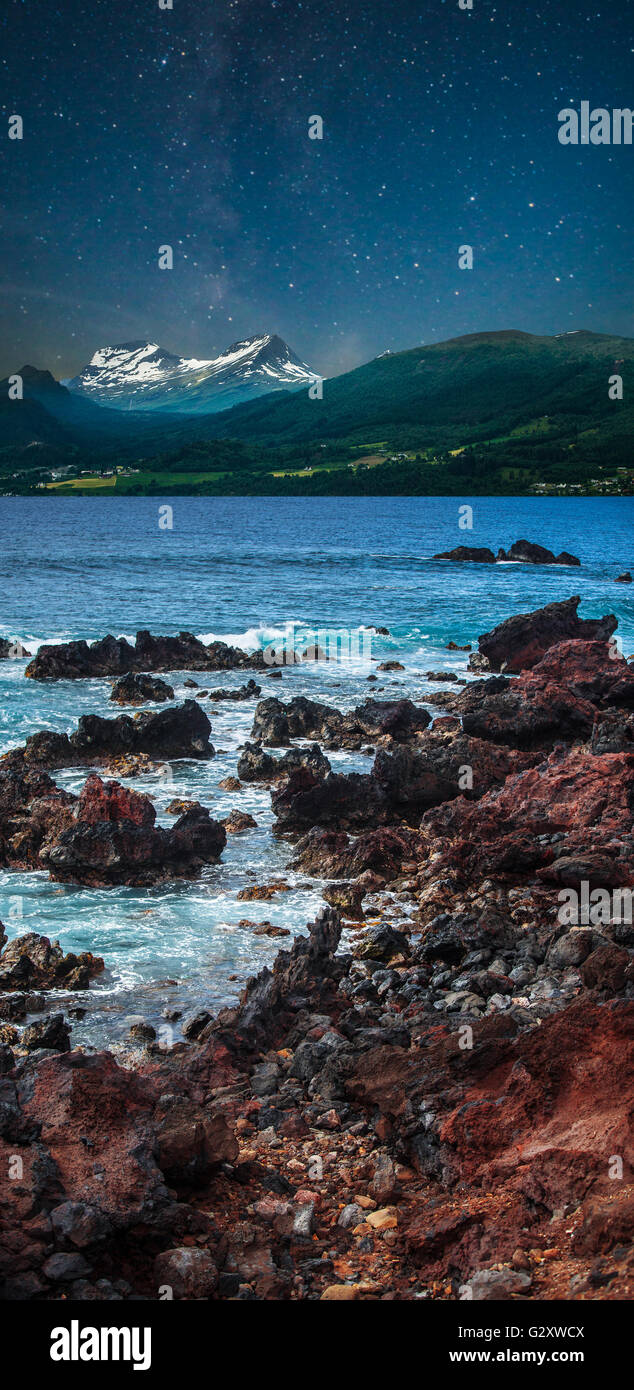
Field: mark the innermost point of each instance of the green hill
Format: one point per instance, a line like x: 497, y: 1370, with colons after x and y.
x: 500, y: 412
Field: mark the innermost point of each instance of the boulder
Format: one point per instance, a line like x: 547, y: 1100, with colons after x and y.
x: 188, y: 1273
x: 246, y: 692
x: 332, y: 854
x: 137, y: 689
x: 304, y: 800
x: 31, y: 962
x: 52, y: 1032
x: 11, y: 649
x: 254, y: 765
x: 114, y: 840
x: 521, y: 641
x: 276, y: 723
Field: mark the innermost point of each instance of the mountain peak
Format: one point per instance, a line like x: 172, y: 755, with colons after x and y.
x: 37, y: 376
x: 141, y: 375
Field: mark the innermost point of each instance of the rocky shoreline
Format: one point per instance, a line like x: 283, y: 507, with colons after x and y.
x: 426, y: 1097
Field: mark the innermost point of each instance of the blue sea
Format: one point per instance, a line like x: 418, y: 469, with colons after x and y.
x: 243, y: 569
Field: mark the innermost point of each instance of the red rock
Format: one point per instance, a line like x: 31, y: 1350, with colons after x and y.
x: 573, y: 794
x: 520, y: 642
x: 109, y: 801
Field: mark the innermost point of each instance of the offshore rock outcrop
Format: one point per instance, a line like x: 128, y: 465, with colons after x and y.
x: 32, y: 962
x: 11, y: 649
x: 254, y: 765
x: 115, y: 656
x: 520, y: 552
x: 105, y: 836
x: 179, y: 732
x: 113, y: 839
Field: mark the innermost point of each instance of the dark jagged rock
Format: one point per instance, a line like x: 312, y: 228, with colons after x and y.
x: 405, y: 781
x: 305, y: 800
x: 557, y: 699
x: 52, y: 1033
x: 346, y: 898
x: 179, y: 732
x: 613, y: 732
x: 115, y: 656
x: 114, y: 840
x: 32, y: 812
x: 442, y: 766
x: 529, y: 718
x: 527, y: 552
x: 137, y: 689
x: 245, y: 692
x: 332, y: 854
x: 254, y: 765
x: 477, y: 554
x: 521, y: 641
x: 31, y: 962
x: 276, y: 723
x: 309, y: 971
x: 237, y: 821
x: 384, y: 944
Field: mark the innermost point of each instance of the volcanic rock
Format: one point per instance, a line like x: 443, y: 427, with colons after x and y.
x: 527, y: 552
x: 52, y: 1033
x: 179, y: 732
x: 480, y: 555
x: 254, y: 765
x: 245, y: 692
x: 276, y: 723
x: 30, y: 962
x: 115, y: 656
x: 136, y: 689
x: 11, y: 649
x: 521, y: 641
x: 114, y: 840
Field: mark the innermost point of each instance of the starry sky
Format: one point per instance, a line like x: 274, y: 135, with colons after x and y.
x: 189, y: 127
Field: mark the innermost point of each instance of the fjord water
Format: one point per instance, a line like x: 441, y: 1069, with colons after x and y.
x: 241, y: 569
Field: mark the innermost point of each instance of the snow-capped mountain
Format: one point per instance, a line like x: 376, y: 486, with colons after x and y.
x: 143, y: 376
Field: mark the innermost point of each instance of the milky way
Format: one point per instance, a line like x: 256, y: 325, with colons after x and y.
x: 190, y: 127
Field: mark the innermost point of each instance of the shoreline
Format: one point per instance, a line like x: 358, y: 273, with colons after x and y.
x: 435, y: 1110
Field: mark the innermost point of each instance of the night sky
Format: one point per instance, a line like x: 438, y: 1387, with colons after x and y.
x: 189, y: 127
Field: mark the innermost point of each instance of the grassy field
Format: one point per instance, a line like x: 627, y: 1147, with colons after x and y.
x: 128, y: 484
x: 78, y: 484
